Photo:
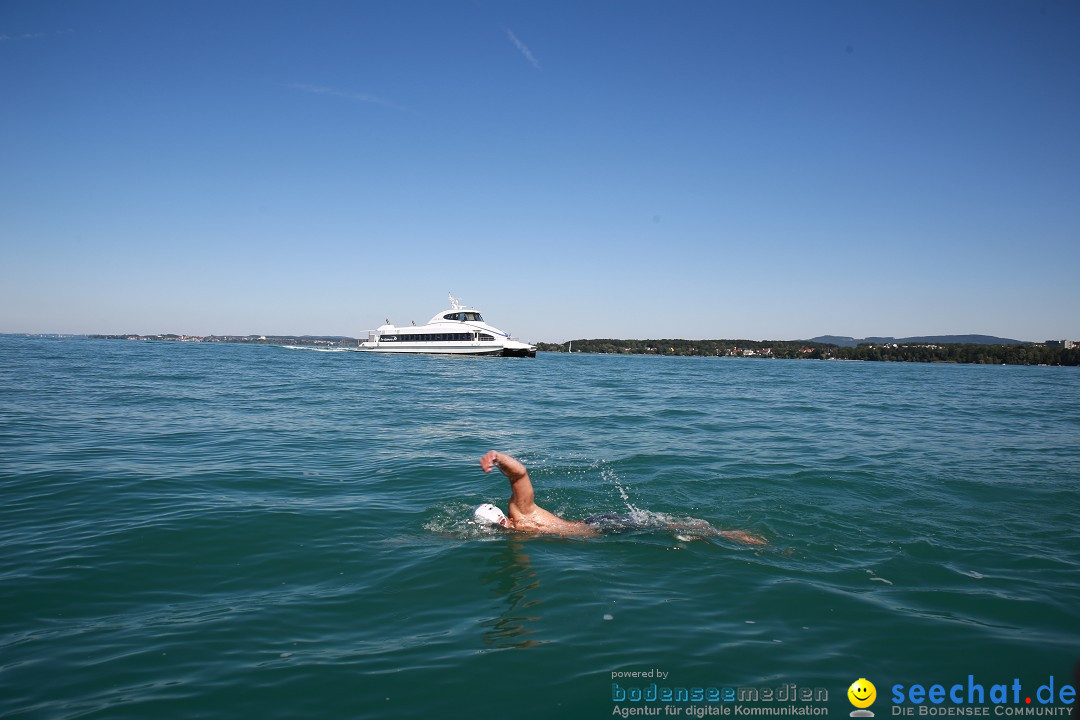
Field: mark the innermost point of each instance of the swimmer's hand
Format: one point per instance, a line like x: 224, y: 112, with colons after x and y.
x: 488, y: 461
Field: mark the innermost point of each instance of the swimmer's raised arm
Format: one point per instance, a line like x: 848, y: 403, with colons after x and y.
x: 521, y: 489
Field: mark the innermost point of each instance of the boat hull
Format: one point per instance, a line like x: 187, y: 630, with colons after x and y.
x: 413, y: 349
x: 404, y: 349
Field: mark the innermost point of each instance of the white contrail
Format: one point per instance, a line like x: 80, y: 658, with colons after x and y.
x: 523, y: 48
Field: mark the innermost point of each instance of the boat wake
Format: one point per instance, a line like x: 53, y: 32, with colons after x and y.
x: 317, y: 349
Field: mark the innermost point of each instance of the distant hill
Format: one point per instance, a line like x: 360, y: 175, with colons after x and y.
x: 844, y: 341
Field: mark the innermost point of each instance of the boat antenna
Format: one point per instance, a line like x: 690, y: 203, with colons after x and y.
x: 455, y: 302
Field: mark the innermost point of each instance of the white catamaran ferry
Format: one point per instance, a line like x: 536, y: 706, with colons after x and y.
x: 457, y: 331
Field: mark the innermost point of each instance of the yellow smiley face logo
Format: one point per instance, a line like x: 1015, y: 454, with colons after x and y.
x: 862, y: 693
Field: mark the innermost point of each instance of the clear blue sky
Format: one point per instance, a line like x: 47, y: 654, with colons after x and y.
x: 764, y: 170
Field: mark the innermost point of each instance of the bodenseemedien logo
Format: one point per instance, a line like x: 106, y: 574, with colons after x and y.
x: 862, y: 694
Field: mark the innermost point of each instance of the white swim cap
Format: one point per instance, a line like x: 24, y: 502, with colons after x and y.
x: 488, y: 514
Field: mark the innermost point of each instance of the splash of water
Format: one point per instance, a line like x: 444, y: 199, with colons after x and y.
x: 608, y: 474
x: 316, y: 349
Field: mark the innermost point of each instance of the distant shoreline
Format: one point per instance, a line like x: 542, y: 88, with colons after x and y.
x: 1060, y: 353
x: 929, y: 352
x: 955, y: 353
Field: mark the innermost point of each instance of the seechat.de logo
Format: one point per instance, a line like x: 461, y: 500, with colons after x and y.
x: 862, y: 694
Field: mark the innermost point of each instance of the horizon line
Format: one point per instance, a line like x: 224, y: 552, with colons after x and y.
x: 817, y: 338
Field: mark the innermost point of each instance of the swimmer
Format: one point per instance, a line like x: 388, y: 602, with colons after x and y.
x: 527, y: 516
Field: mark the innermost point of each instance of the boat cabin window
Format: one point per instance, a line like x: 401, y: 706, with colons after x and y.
x: 464, y: 317
x: 484, y: 336
x: 434, y: 337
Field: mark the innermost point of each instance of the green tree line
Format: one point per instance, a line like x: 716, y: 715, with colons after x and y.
x: 953, y: 353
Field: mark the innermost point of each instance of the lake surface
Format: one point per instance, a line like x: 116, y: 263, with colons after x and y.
x: 226, y: 531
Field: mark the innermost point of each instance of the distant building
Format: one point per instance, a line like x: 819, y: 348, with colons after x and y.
x: 1066, y: 344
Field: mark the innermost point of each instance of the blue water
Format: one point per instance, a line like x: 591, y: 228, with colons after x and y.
x: 223, y: 531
